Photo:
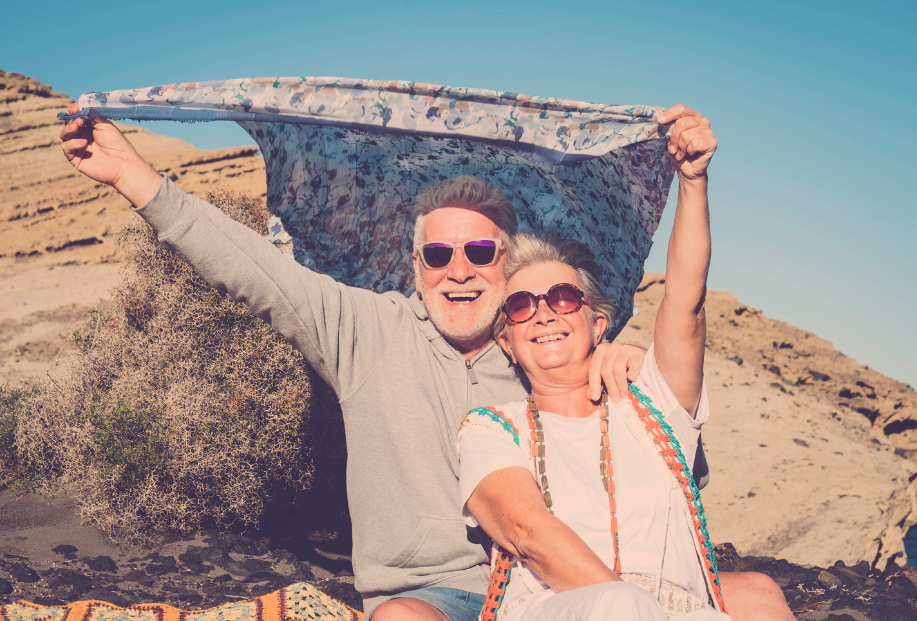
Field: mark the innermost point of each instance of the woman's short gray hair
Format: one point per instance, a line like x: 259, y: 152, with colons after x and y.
x: 526, y: 249
x: 470, y: 193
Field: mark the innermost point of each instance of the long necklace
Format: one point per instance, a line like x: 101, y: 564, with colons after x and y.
x: 605, y: 466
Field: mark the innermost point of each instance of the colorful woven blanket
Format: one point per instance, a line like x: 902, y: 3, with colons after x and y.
x: 345, y: 159
x: 300, y: 601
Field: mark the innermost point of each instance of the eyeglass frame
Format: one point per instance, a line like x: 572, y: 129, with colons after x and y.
x: 498, y: 243
x: 544, y: 296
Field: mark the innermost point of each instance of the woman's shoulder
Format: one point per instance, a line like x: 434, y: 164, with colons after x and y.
x: 506, y: 419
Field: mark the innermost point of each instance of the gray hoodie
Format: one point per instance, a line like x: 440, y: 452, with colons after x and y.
x: 403, y: 389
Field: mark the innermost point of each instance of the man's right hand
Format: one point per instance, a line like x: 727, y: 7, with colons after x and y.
x: 100, y: 151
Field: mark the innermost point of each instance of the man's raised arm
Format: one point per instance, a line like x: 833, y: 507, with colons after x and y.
x: 317, y: 315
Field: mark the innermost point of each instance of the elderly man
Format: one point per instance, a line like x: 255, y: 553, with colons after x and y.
x: 406, y: 370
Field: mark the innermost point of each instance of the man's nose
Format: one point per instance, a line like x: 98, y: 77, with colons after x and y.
x: 460, y: 270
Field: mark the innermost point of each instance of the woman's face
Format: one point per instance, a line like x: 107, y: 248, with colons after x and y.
x: 574, y: 335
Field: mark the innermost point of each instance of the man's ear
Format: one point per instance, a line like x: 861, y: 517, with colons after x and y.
x: 417, y: 275
x: 505, y: 344
x: 599, y: 325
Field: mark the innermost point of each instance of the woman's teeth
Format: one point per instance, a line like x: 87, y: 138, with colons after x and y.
x: 550, y: 337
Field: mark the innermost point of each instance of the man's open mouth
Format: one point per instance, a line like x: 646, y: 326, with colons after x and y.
x: 547, y: 338
x: 463, y: 296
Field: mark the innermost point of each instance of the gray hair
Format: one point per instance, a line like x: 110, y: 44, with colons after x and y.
x: 469, y: 193
x: 527, y: 249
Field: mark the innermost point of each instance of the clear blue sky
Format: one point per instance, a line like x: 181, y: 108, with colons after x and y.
x: 813, y: 103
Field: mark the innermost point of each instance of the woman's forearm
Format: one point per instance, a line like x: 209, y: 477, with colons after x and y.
x: 688, y: 259
x: 557, y: 554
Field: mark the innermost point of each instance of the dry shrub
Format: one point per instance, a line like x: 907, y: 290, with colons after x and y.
x: 181, y: 409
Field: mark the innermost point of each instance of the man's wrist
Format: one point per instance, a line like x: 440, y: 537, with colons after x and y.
x: 138, y: 182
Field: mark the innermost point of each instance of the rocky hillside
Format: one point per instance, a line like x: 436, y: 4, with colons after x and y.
x: 47, y: 207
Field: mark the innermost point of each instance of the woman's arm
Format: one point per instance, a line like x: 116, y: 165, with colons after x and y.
x: 509, y: 507
x: 681, y: 327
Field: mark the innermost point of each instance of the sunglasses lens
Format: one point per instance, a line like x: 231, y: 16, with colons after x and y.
x: 481, y: 251
x: 564, y: 299
x: 437, y: 255
x: 520, y: 306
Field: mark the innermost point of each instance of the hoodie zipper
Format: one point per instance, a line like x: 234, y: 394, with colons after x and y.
x: 471, y: 375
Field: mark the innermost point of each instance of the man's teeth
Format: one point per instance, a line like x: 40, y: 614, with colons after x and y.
x: 550, y: 337
x: 463, y: 296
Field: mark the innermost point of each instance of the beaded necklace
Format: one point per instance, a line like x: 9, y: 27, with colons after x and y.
x: 605, y: 466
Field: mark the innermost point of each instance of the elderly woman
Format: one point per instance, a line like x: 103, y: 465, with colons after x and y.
x: 591, y: 505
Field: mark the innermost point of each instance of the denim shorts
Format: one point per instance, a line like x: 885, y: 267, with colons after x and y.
x: 456, y: 604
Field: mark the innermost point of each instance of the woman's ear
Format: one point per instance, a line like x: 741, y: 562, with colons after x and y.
x: 507, y: 347
x: 599, y: 325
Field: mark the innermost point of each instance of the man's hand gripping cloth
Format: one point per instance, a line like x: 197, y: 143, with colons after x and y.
x: 345, y: 159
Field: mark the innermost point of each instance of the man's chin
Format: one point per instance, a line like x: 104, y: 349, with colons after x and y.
x: 470, y: 329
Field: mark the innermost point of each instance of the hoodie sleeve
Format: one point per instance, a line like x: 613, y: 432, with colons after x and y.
x: 342, y: 331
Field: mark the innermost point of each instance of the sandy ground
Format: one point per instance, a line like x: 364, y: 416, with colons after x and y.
x: 41, y: 302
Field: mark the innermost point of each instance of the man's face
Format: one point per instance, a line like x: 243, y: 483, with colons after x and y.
x: 462, y: 299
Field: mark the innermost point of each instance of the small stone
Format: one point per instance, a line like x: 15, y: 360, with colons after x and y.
x: 254, y: 564
x: 214, y: 554
x: 23, y: 573
x: 190, y: 558
x: 135, y: 575
x: 235, y: 568
x: 102, y: 563
x: 200, y: 568
x: 901, y: 584
x: 261, y: 576
x: 65, y: 549
x: 105, y: 595
x: 829, y: 581
x: 5, y: 587
x: 162, y: 565
x: 41, y: 600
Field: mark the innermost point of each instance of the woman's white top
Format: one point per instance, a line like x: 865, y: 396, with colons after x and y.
x: 645, y: 493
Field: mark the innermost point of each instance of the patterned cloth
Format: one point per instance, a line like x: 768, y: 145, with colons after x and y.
x: 300, y: 601
x: 345, y: 159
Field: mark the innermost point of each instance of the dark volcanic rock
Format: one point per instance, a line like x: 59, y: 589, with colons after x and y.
x: 161, y: 565
x: 65, y: 549
x: 101, y: 563
x: 105, y: 595
x: 234, y: 567
x: 23, y: 573
x: 68, y: 583
x: 5, y: 587
x: 240, y: 544
x: 135, y: 575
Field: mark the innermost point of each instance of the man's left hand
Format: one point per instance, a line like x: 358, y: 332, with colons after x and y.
x: 614, y: 364
x: 692, y: 142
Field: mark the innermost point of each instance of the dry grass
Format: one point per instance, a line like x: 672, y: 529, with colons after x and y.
x: 181, y: 409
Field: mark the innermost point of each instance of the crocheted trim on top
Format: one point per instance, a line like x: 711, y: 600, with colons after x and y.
x: 664, y: 436
x: 492, y: 420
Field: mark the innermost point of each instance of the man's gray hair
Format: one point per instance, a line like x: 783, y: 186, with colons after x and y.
x: 526, y: 249
x: 469, y: 193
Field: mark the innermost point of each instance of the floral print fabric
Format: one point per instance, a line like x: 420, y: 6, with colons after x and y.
x: 345, y: 159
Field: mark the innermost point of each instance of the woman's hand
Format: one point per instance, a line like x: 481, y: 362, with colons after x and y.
x: 99, y: 150
x: 692, y: 142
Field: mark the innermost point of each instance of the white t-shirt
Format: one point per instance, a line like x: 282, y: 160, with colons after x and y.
x: 579, y: 498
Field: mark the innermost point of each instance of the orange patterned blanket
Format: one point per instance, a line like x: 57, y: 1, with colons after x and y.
x: 297, y: 602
